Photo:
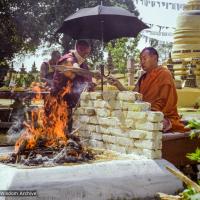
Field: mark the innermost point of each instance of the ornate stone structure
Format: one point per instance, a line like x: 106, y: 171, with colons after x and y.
x: 186, y: 47
x: 187, y: 35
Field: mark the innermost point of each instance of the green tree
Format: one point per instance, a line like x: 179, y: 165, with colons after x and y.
x: 26, y: 24
x: 163, y: 49
x: 22, y: 27
x: 121, y: 49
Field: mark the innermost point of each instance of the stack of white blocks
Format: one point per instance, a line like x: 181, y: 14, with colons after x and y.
x: 119, y: 121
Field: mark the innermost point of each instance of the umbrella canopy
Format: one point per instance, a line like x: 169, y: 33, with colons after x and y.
x: 102, y: 23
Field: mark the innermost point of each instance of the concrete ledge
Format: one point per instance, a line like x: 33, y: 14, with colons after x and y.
x: 176, y: 146
x: 117, y: 179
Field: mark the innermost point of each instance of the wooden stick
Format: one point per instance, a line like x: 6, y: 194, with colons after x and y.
x: 184, y: 178
x: 26, y: 125
x: 17, y: 159
x: 74, y: 131
x: 84, y: 140
x: 163, y: 196
x: 77, y: 104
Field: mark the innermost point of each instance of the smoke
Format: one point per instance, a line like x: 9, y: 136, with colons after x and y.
x: 15, y: 131
x: 19, y: 115
x: 79, y: 87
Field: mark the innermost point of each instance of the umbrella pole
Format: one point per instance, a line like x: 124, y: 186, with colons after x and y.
x: 101, y: 65
x: 102, y: 74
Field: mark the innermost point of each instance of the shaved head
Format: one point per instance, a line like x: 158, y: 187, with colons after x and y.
x: 83, y: 48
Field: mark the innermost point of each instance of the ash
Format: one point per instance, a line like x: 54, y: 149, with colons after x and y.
x: 72, y: 152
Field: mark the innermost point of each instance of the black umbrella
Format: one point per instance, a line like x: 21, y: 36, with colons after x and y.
x: 102, y: 23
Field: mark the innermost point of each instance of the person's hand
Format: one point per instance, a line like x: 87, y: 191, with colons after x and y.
x: 113, y: 81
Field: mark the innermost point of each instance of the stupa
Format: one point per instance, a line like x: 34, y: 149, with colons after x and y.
x: 186, y: 45
x: 187, y: 34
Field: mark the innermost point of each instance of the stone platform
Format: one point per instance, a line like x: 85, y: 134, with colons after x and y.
x: 116, y: 179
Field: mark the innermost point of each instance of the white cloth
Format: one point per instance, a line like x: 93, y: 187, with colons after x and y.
x: 78, y: 57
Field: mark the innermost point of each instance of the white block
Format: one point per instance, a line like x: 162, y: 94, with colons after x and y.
x: 116, y: 148
x: 90, y: 111
x: 120, y: 114
x: 87, y: 103
x: 152, y: 154
x: 154, y: 116
x: 130, y: 123
x: 117, y: 132
x: 116, y: 104
x: 102, y: 104
x: 82, y: 127
x: 91, y: 128
x: 148, y: 144
x: 98, y: 144
x: 134, y: 150
x: 109, y: 139
x: 124, y: 141
x: 102, y: 129
x: 139, y: 106
x: 142, y: 134
x: 96, y: 136
x: 79, y: 111
x: 149, y: 126
x: 109, y: 121
x: 84, y: 119
x: 136, y: 115
x: 95, y: 95
x: 103, y: 112
x: 94, y: 120
x: 109, y: 95
x: 84, y: 134
x: 152, y: 135
x: 85, y: 96
x: 126, y: 96
x: 137, y: 134
x: 85, y: 111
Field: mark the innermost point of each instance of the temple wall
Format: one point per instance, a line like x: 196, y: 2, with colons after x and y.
x: 119, y: 121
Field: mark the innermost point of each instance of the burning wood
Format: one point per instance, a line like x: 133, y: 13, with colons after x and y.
x: 46, y: 138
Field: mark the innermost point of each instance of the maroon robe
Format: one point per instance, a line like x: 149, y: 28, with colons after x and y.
x: 79, y: 82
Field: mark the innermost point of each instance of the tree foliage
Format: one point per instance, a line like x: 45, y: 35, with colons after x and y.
x: 163, y: 49
x: 26, y: 24
x: 121, y: 49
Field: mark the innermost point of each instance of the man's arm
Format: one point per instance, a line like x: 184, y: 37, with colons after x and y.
x: 115, y: 82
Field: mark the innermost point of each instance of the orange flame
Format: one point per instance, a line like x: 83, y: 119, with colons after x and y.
x: 48, y: 125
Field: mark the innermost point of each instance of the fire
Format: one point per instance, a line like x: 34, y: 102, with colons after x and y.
x: 48, y: 126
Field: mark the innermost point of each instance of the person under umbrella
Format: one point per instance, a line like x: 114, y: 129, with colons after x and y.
x: 103, y: 23
x: 76, y: 59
